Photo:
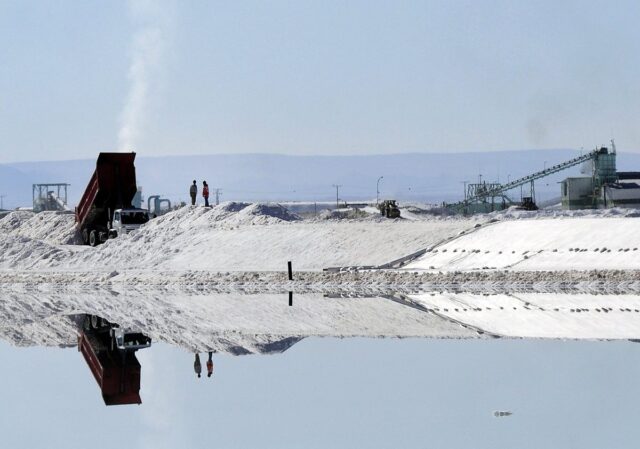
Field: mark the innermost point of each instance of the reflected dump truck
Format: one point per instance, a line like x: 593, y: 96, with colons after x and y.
x: 110, y: 354
x: 105, y: 209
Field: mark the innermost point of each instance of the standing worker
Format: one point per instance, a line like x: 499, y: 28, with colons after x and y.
x: 205, y: 193
x: 193, y: 191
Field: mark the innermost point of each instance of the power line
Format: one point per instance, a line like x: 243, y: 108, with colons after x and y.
x: 337, y: 186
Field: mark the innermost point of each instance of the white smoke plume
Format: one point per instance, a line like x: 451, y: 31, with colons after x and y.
x: 147, y: 52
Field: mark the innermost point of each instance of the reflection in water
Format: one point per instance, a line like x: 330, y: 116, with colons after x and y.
x: 197, y: 366
x: 109, y: 351
x: 235, y: 324
x: 335, y: 391
x: 210, y: 365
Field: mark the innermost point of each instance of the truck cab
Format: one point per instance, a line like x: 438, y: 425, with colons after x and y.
x: 127, y: 220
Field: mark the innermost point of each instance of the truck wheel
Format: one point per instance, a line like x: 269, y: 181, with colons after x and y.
x: 86, y: 323
x: 93, y: 238
x: 94, y: 322
x: 85, y: 236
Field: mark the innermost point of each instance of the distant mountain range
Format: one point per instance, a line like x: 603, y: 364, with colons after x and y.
x: 425, y: 177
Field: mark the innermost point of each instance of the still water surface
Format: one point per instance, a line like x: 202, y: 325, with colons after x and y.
x: 303, y: 386
x: 328, y: 392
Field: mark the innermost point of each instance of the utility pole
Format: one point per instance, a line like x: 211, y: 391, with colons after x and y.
x: 378, y: 190
x: 218, y: 193
x: 337, y: 186
x: 2, y: 201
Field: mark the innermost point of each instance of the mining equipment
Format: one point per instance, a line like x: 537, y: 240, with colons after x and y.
x: 105, y: 210
x: 489, y: 197
x: 49, y: 196
x: 528, y: 203
x: 389, y: 209
x: 157, y: 203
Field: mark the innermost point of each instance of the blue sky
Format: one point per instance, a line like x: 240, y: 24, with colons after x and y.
x: 302, y: 77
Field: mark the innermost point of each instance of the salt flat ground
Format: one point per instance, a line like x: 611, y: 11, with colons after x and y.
x: 229, y: 237
x: 549, y: 244
x: 236, y: 237
x: 137, y: 280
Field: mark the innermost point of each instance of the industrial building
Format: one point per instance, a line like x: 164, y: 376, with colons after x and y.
x: 625, y: 192
x: 577, y: 192
x: 602, y: 186
x: 483, y: 197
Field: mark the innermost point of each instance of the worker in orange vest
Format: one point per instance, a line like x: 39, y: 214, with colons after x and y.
x: 209, y: 366
x: 205, y: 193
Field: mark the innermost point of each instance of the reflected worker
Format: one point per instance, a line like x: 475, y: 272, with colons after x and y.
x: 197, y: 367
x: 209, y: 365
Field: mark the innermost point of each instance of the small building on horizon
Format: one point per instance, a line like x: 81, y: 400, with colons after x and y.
x: 625, y: 192
x: 577, y: 193
x: 581, y: 192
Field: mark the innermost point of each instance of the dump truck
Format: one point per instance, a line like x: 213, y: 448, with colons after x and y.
x: 105, y: 210
x: 109, y: 351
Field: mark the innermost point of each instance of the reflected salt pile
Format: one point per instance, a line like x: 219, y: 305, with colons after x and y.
x: 536, y: 315
x: 109, y: 326
x: 234, y: 324
x: 264, y: 323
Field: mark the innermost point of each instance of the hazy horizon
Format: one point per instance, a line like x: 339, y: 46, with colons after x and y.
x: 318, y: 155
x: 422, y: 177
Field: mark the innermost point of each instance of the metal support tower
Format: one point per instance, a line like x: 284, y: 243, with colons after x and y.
x: 485, y: 193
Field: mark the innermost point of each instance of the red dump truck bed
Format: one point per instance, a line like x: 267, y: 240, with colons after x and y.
x: 116, y: 372
x: 112, y: 186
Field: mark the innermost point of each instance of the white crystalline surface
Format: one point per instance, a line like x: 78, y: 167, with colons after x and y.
x: 249, y: 238
x: 51, y: 227
x: 549, y: 244
x: 263, y: 237
x: 228, y: 237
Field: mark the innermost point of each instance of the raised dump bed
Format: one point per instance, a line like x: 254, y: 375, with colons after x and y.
x: 106, y: 209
